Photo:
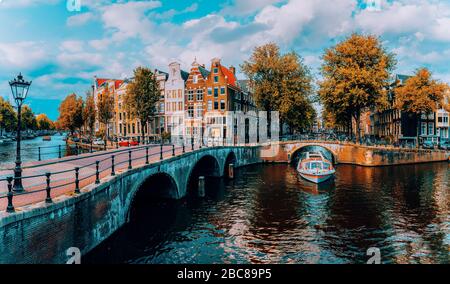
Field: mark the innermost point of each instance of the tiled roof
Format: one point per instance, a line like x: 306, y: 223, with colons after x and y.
x: 231, y: 79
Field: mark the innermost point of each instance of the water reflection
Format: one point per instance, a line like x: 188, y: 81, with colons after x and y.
x: 268, y: 214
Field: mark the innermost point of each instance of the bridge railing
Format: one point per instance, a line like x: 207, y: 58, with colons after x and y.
x: 46, y: 186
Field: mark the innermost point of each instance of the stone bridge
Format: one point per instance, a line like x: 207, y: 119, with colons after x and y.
x: 350, y: 153
x: 42, y: 233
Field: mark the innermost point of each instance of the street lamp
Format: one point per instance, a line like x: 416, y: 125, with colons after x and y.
x: 19, y: 89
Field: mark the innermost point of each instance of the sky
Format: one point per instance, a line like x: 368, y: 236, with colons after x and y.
x: 61, y: 45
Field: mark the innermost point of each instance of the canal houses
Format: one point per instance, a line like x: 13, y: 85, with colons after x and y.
x: 397, y: 126
x: 174, y: 99
x: 195, y: 100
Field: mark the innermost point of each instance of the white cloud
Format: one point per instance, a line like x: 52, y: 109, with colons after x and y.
x: 25, y: 54
x: 128, y: 20
x: 80, y: 19
x: 25, y: 3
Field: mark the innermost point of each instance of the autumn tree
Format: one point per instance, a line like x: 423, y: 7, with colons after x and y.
x: 419, y: 95
x: 281, y: 83
x: 142, y: 96
x: 8, y: 117
x: 43, y: 122
x: 356, y: 76
x: 89, y: 113
x: 70, y: 113
x: 105, y: 107
x: 28, y: 118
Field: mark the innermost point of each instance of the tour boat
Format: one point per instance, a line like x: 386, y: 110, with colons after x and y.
x: 315, y: 168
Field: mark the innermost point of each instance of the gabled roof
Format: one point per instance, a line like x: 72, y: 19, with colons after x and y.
x: 231, y: 79
x: 184, y: 75
x: 100, y: 81
x: 203, y: 71
x: 244, y: 85
x: 402, y: 78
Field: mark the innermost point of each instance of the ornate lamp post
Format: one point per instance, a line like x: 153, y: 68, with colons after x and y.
x: 19, y: 89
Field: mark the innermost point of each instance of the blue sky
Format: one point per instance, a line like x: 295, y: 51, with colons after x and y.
x: 61, y: 49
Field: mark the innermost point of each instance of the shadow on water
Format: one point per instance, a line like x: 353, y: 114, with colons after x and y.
x: 268, y: 214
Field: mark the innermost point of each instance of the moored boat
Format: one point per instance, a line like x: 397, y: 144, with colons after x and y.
x: 315, y: 168
x: 46, y: 138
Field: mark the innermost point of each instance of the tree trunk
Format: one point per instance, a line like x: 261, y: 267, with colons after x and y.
x: 142, y: 131
x: 358, y: 126
x: 418, y: 131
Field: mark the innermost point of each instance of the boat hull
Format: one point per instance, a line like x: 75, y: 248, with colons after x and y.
x: 316, y: 178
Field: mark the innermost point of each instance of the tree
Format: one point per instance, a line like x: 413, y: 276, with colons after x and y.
x: 89, y: 112
x: 28, y: 118
x: 8, y: 117
x: 281, y: 83
x: 355, y: 77
x: 105, y: 107
x: 142, y: 96
x: 70, y: 113
x: 43, y: 122
x: 420, y: 95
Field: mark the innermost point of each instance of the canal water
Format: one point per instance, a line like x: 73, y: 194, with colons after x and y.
x: 269, y: 214
x: 30, y: 152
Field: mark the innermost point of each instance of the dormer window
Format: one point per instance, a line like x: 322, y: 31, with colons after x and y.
x: 216, y: 70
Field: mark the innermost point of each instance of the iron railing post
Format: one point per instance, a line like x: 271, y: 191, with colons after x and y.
x: 59, y: 151
x: 48, y: 189
x: 184, y: 150
x: 129, y: 160
x: 173, y: 150
x: 161, y: 152
x: 77, y: 181
x: 146, y: 155
x: 10, y: 207
x: 113, y: 173
x: 39, y: 153
x: 97, y: 173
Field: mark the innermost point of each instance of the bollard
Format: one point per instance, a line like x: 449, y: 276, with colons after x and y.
x: 146, y: 155
x: 39, y: 153
x: 231, y: 171
x: 192, y: 146
x: 77, y: 181
x: 161, y: 152
x: 10, y: 207
x: 113, y: 173
x: 97, y: 173
x: 173, y: 150
x: 47, y: 189
x: 201, y: 186
x: 59, y: 151
x: 129, y: 160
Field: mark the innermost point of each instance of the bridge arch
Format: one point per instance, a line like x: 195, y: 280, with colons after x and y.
x: 157, y: 185
x: 327, y: 152
x: 207, y: 166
